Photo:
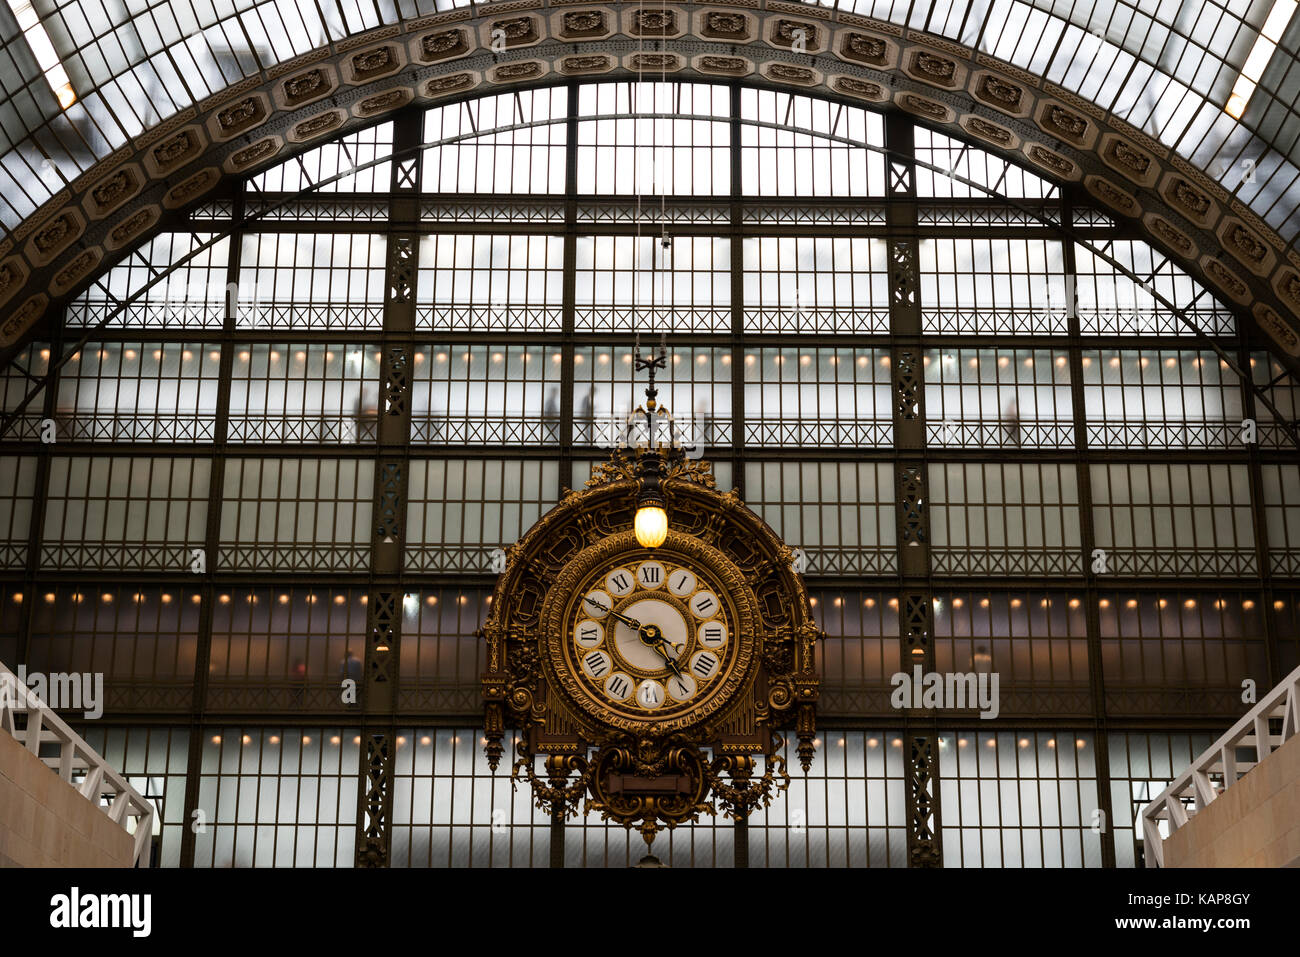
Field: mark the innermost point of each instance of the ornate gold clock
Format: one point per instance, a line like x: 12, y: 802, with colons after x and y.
x: 648, y: 665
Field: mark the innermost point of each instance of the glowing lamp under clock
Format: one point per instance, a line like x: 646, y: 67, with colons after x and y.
x: 651, y: 525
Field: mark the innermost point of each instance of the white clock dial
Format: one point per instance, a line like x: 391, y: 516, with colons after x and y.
x: 620, y: 582
x: 711, y: 634
x: 650, y: 611
x: 619, y: 685
x: 681, y: 582
x: 596, y: 664
x: 650, y: 694
x: 681, y: 687
x: 704, y: 604
x: 589, y: 634
x: 704, y: 664
x: 650, y: 575
x: 597, y: 604
x: 652, y: 636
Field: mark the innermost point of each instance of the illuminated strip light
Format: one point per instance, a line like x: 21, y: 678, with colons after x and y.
x: 43, y: 50
x: 1260, y: 54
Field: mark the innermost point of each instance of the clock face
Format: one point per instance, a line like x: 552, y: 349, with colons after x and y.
x: 651, y: 635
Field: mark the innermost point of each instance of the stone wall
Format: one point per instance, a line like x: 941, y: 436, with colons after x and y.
x: 45, y: 822
x: 1254, y: 823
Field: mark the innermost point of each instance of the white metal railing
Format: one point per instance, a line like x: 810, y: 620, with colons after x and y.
x: 1194, y: 789
x: 77, y: 763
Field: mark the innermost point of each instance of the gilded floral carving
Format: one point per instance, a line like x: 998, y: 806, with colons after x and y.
x: 108, y: 192
x: 654, y: 61
x: 584, y: 21
x: 995, y: 90
x: 1129, y: 158
x: 241, y: 114
x: 788, y: 32
x: 131, y: 225
x: 1184, y: 194
x: 305, y: 85
x: 989, y: 131
x: 373, y: 61
x: 659, y: 22
x: 860, y: 87
x: 924, y: 107
x: 585, y: 63
x: 1170, y: 235
x: 516, y: 29
x: 75, y: 269
x: 171, y: 152
x: 318, y: 124
x: 446, y: 84
x: 1246, y: 244
x: 937, y: 68
x: 1225, y: 278
x: 434, y: 46
x: 253, y: 153
x: 724, y: 64
x: 54, y: 236
x: 518, y: 71
x: 1065, y: 124
x: 1057, y: 164
x: 724, y: 24
x: 382, y: 101
x: 795, y: 74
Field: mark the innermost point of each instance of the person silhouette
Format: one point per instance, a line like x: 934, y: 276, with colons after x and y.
x: 586, y: 415
x: 1011, y: 422
x: 551, y: 415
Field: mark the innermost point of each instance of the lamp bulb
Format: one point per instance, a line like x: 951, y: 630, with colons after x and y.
x: 651, y: 526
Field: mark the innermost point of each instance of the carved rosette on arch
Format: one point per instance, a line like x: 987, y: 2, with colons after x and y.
x: 657, y: 768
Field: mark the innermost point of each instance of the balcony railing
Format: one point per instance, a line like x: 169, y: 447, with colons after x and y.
x: 1222, y: 765
x: 46, y: 735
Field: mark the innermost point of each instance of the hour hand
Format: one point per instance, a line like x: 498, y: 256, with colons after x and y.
x: 656, y: 640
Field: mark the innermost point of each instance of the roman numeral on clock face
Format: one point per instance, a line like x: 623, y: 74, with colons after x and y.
x: 682, y: 687
x: 704, y: 664
x: 713, y: 634
x: 704, y: 604
x: 620, y: 582
x: 619, y: 686
x: 681, y: 582
x: 596, y: 663
x: 650, y: 694
x: 589, y: 634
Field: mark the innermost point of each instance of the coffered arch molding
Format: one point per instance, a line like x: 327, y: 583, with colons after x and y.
x: 800, y: 47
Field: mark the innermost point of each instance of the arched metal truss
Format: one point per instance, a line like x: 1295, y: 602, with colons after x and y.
x: 449, y: 56
x: 412, y: 153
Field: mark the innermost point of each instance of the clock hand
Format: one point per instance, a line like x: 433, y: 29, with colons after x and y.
x: 643, y: 633
x: 655, y: 639
x: 632, y: 622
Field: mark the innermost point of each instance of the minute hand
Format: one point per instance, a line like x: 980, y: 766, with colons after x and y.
x: 632, y: 622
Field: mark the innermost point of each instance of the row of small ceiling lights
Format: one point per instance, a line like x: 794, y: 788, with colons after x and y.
x: 703, y: 359
x: 1048, y: 603
x: 427, y: 740
x: 412, y: 600
x: 334, y: 739
x: 225, y: 599
x: 961, y: 742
